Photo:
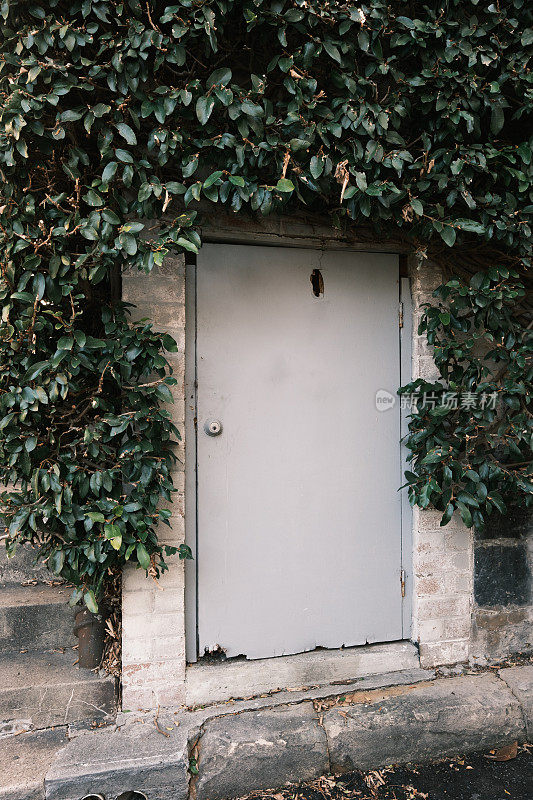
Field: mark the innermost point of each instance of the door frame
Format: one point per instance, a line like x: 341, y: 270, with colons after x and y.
x: 405, y: 335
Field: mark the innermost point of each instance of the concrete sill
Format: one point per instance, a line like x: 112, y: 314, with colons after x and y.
x: 206, y: 684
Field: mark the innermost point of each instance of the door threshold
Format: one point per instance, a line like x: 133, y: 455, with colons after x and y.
x: 215, y: 683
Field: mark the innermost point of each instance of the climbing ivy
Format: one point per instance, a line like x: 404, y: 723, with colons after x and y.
x: 471, y: 433
x: 412, y: 119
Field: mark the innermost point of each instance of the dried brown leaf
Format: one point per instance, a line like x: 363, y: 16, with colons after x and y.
x: 505, y: 753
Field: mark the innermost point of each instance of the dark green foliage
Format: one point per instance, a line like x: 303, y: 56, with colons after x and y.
x: 408, y: 117
x: 472, y: 436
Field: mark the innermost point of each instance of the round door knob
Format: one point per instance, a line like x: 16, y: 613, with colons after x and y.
x: 213, y: 427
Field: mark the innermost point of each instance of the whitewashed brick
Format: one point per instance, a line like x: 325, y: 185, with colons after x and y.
x: 458, y: 539
x: 431, y: 630
x: 174, y: 534
x: 430, y: 541
x: 178, y: 479
x: 153, y: 616
x: 431, y: 564
x: 168, y: 599
x: 136, y: 698
x: 135, y: 650
x: 444, y: 607
x: 458, y: 628
x: 137, y: 602
x: 163, y: 316
x: 133, y: 579
x: 442, y: 556
x: 459, y: 582
x: 165, y: 290
x: 461, y: 561
x: 177, y: 504
x: 168, y: 646
x: 426, y: 369
x: 433, y: 654
x: 428, y: 519
x: 429, y: 585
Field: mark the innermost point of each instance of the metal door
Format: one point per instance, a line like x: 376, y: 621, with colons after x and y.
x: 298, y: 510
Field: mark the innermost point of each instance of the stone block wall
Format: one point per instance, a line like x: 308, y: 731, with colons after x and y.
x: 153, y: 612
x: 503, y: 586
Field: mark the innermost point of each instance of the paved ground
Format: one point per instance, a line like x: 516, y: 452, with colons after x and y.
x: 472, y: 777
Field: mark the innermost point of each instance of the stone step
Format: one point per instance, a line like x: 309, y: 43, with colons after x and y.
x: 40, y: 690
x: 260, y: 745
x: 24, y: 762
x: 35, y: 618
x: 21, y: 567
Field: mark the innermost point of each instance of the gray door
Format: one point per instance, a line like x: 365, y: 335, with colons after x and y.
x: 299, y: 518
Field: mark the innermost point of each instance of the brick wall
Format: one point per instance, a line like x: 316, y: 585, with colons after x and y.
x: 153, y: 613
x: 442, y: 557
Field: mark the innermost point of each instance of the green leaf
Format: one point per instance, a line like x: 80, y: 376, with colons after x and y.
x: 497, y: 118
x: 96, y: 516
x: 129, y: 243
x: 126, y: 132
x: 100, y: 109
x: 187, y: 245
x: 132, y: 227
x: 56, y: 561
x: 190, y: 167
x: 109, y: 171
x: 110, y: 216
x: 464, y: 511
x: 204, y: 107
x: 433, y: 457
x: 142, y: 556
x: 39, y: 285
x: 408, y: 23
x: 130, y: 507
x: 496, y: 499
x: 65, y: 343
x: 175, y: 188
x: 363, y: 39
x: 332, y: 50
x: 215, y: 176
x: 93, y: 198
x: 30, y: 443
x: 220, y: 77
x: 469, y: 225
x: 446, y: 517
x: 40, y: 394
x: 417, y: 207
x: 36, y: 370
x: 448, y: 234
x: 90, y: 601
x: 124, y: 156
x: 285, y: 185
x: 360, y: 179
x: 527, y: 37
x: 316, y: 167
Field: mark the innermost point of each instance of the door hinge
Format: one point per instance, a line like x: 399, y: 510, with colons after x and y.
x: 400, y: 315
x: 402, y: 581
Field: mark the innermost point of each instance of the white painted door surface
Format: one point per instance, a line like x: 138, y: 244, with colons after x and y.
x: 299, y: 519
